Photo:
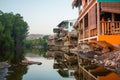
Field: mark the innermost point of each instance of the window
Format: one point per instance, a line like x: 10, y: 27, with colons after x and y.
x: 86, y: 21
x: 71, y: 24
x: 117, y: 17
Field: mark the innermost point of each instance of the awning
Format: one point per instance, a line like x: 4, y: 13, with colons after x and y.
x: 63, y: 23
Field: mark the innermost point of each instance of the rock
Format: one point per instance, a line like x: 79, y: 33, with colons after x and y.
x: 39, y: 63
x: 27, y: 62
x: 110, y: 60
x: 4, y: 65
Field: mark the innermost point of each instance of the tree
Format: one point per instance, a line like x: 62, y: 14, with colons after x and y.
x: 6, y: 20
x: 13, y: 31
x: 20, y: 31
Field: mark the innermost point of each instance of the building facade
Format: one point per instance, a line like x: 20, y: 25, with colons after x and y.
x: 98, y: 21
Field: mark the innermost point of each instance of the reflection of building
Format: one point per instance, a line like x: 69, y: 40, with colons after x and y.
x: 66, y: 73
x: 98, y: 21
x: 50, y: 54
x: 63, y: 66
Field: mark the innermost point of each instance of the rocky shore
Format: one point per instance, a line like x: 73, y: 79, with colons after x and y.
x: 101, y: 54
x: 110, y: 60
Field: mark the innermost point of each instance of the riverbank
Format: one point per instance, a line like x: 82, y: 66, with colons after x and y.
x: 93, y: 59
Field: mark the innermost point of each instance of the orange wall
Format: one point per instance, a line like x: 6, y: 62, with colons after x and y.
x: 113, y: 39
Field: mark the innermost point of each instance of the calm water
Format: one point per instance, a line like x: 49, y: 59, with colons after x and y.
x: 36, y: 72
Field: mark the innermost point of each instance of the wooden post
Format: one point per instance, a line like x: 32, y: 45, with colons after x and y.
x: 83, y: 29
x: 98, y: 19
x: 78, y: 33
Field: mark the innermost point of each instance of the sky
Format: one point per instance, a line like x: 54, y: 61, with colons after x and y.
x: 41, y: 15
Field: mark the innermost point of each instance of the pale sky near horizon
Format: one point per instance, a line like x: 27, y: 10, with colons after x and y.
x: 41, y: 15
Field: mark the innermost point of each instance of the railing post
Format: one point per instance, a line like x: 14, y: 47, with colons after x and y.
x: 103, y: 27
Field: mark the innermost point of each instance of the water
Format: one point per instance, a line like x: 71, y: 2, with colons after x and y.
x: 45, y: 71
x: 48, y: 70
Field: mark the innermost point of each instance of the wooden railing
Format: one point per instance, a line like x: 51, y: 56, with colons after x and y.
x: 87, y: 33
x: 110, y: 28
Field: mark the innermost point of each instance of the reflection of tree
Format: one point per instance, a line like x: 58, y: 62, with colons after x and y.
x: 18, y: 72
x: 13, y: 57
x: 40, y: 52
x: 17, y: 57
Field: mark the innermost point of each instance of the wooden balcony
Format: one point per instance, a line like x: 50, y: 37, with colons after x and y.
x: 110, y: 28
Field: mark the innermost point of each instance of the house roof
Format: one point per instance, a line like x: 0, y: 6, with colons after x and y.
x: 63, y: 23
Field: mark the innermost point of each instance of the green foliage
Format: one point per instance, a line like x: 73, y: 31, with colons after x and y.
x: 13, y: 31
x: 40, y: 43
x: 28, y: 44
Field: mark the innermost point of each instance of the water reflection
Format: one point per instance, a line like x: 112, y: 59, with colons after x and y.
x: 17, y: 72
x: 18, y: 55
x: 38, y: 52
x: 54, y: 67
x: 46, y: 71
x: 3, y: 73
x: 12, y: 56
x: 65, y: 70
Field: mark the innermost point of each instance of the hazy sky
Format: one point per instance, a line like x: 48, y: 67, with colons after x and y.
x: 41, y: 15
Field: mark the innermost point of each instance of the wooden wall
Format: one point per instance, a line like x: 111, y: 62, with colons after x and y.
x: 92, y: 18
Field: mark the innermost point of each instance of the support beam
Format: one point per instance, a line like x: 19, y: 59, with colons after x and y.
x: 98, y: 19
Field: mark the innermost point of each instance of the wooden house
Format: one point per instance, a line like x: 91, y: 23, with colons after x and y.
x: 65, y: 32
x: 98, y: 21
